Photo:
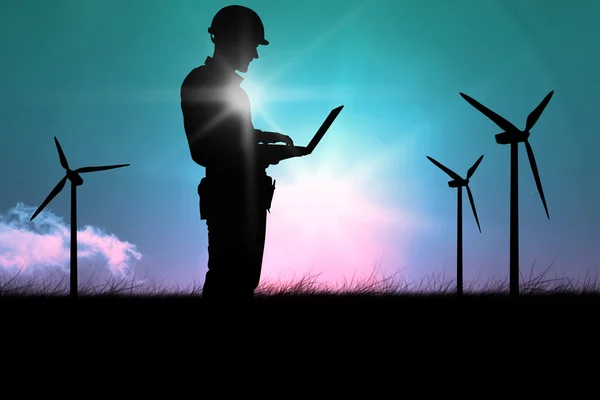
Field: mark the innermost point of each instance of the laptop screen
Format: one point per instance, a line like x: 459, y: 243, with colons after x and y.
x: 324, y: 127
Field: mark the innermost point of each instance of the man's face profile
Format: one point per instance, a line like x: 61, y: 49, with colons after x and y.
x: 246, y: 53
x: 240, y: 51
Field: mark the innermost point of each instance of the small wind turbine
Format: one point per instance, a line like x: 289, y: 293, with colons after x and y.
x: 513, y: 136
x: 458, y: 182
x: 76, y: 180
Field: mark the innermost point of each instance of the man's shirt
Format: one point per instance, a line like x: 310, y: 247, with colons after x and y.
x: 218, y: 122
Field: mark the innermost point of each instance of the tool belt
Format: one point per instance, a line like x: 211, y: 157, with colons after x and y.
x: 218, y: 195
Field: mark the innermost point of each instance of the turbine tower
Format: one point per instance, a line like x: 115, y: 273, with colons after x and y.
x: 513, y: 136
x: 458, y: 182
x: 76, y: 180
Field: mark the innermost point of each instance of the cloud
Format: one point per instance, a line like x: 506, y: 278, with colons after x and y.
x: 44, y: 243
x: 334, y: 218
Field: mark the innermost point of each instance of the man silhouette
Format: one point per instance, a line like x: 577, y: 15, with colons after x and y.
x: 236, y: 192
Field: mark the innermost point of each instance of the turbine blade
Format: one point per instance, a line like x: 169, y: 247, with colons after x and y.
x: 52, y: 195
x: 471, y: 170
x: 473, y: 207
x: 61, y: 155
x: 536, y: 175
x: 535, y: 114
x: 498, y: 120
x: 452, y: 174
x: 103, y: 168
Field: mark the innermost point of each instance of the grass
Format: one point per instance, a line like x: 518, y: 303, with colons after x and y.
x: 307, y: 287
x: 371, y: 310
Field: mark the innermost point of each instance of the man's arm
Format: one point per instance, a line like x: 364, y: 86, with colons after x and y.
x: 219, y: 143
x: 214, y: 130
x: 223, y: 145
x: 221, y: 134
x: 260, y: 136
x: 265, y: 137
x: 273, y: 137
x: 271, y: 155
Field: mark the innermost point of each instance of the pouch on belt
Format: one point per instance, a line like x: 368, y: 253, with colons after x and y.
x: 208, y: 192
x: 267, y: 189
x: 204, y: 198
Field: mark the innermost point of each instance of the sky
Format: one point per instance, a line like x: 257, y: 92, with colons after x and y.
x: 104, y: 78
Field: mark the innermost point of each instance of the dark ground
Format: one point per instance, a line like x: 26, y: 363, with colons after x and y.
x: 121, y: 336
x: 313, y: 311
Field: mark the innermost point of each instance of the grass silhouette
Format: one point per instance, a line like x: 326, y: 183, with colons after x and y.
x: 388, y: 309
x: 306, y: 287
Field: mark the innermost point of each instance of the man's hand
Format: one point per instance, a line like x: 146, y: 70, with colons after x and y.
x: 284, y: 139
x: 274, y: 137
x: 271, y: 155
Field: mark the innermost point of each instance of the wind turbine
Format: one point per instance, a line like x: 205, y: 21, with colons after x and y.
x: 458, y: 182
x: 76, y: 180
x: 513, y: 136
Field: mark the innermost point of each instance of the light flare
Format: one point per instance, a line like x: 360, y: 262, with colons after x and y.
x: 326, y: 219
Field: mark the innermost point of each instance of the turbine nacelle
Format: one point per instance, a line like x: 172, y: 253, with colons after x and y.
x: 458, y: 183
x: 74, y: 177
x: 508, y: 138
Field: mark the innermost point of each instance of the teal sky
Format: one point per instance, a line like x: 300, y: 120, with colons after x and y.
x: 104, y: 77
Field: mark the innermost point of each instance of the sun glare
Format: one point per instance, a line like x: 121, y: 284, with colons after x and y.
x: 255, y: 93
x: 325, y: 221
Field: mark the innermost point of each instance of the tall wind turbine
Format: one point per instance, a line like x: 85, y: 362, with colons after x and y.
x: 458, y: 182
x: 513, y: 136
x: 76, y: 180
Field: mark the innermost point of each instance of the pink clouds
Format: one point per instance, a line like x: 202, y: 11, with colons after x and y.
x: 45, y: 242
x: 118, y: 254
x: 328, y: 222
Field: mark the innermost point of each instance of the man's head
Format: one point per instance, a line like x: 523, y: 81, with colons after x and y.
x: 237, y: 31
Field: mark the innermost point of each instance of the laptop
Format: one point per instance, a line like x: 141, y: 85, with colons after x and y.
x: 318, y: 136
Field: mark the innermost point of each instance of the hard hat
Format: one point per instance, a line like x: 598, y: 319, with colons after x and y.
x: 237, y: 22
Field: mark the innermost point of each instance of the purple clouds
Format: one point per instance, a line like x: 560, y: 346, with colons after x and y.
x: 44, y: 243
